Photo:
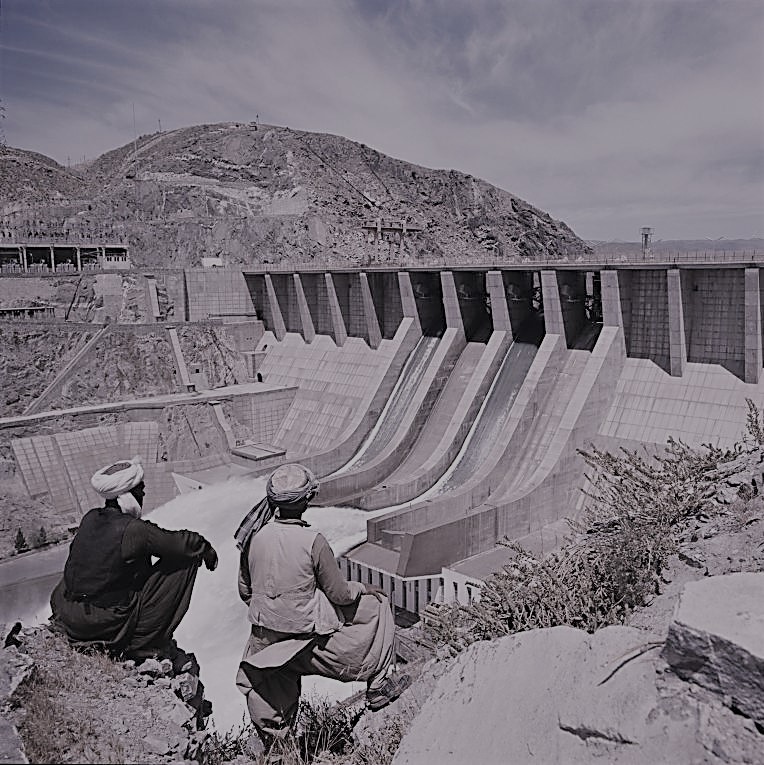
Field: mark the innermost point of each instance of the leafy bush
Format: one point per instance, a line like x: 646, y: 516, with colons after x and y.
x: 754, y: 423
x: 40, y: 538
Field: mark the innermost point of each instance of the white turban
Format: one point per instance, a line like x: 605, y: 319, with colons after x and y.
x: 111, y: 482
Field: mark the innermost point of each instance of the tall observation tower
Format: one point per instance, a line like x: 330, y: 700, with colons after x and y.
x: 647, y: 233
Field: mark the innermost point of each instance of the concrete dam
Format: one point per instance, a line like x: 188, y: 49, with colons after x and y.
x: 453, y: 402
x: 449, y: 404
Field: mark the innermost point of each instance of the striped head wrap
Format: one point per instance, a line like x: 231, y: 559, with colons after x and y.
x: 288, y: 487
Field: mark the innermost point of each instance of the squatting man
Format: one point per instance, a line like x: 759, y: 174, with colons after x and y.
x: 307, y: 619
x: 111, y: 595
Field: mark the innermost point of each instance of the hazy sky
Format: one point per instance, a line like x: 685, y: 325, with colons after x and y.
x: 608, y: 114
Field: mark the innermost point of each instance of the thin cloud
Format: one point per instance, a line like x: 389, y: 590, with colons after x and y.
x: 610, y: 115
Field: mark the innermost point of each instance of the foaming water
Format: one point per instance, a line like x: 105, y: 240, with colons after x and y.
x: 406, y: 386
x: 216, y: 627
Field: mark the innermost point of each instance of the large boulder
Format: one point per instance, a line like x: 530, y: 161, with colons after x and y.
x: 560, y: 695
x: 551, y: 695
x: 717, y: 639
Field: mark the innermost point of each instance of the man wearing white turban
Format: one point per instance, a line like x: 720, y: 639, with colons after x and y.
x: 307, y: 619
x: 111, y: 595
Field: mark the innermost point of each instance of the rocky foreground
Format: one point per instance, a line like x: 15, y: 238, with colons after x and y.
x: 620, y: 695
x: 683, y: 682
x: 63, y: 706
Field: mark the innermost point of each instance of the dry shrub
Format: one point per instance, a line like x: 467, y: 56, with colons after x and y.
x: 224, y: 747
x: 324, y: 727
x: 611, y: 563
x: 323, y: 731
x: 754, y: 423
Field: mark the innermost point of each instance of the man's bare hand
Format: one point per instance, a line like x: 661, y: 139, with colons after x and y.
x: 210, y: 558
x: 377, y: 592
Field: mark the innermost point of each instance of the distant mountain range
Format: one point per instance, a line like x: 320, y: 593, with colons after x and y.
x: 680, y: 245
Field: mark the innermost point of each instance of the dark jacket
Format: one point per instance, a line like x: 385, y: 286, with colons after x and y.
x: 99, y: 598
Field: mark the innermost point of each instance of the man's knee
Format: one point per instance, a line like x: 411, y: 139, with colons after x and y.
x: 273, y: 697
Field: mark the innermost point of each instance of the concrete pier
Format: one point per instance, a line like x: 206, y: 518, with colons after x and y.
x: 498, y: 297
x: 373, y: 332
x: 677, y: 338
x: 753, y: 337
x: 554, y: 323
x: 612, y: 316
x: 451, y: 301
x: 308, y: 331
x: 339, y: 332
x: 274, y: 310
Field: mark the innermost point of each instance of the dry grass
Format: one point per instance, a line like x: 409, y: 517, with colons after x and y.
x: 323, y: 734
x: 59, y: 701
x: 224, y: 747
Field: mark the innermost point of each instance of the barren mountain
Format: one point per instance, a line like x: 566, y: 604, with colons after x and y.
x: 257, y: 194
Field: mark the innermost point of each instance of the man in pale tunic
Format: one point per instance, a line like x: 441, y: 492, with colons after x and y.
x: 307, y: 619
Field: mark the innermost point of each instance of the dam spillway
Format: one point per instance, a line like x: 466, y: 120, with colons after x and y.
x: 376, y: 378
x: 693, y: 330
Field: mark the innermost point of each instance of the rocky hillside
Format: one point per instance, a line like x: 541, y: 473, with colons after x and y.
x: 31, y: 357
x: 123, y: 365
x: 264, y: 194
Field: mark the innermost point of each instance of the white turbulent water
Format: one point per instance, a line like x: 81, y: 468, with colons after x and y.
x: 216, y: 627
x: 405, y: 387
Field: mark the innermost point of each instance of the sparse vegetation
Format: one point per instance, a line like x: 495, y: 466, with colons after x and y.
x: 224, y: 747
x: 40, y: 538
x: 20, y: 542
x: 640, y: 506
x: 57, y: 725
x: 323, y: 733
